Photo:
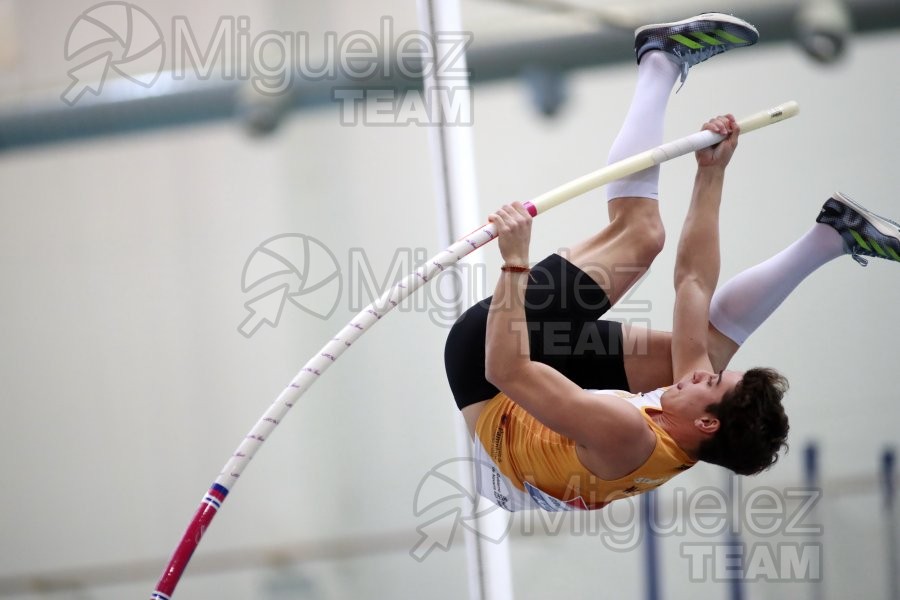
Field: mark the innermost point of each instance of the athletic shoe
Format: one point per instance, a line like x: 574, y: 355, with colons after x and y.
x: 693, y: 40
x: 864, y: 232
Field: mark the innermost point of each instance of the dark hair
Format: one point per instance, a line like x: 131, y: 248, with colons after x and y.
x: 752, y: 425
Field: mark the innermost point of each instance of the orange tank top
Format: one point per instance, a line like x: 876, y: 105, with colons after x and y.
x: 524, y: 464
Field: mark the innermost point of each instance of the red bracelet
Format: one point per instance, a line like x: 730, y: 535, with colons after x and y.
x: 515, y: 268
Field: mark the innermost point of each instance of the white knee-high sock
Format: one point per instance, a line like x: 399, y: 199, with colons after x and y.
x: 643, y: 125
x: 740, y: 306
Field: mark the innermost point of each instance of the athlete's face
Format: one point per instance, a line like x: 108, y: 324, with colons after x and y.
x: 689, y: 397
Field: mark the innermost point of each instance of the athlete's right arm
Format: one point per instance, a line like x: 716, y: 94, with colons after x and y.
x: 549, y: 396
x: 610, y: 427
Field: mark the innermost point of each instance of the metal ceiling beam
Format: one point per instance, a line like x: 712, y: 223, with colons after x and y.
x: 125, y: 108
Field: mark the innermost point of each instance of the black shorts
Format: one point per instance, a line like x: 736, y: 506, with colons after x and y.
x: 562, y: 308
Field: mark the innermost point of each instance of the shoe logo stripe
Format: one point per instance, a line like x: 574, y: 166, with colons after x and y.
x: 873, y: 247
x: 877, y: 248
x: 886, y: 252
x: 729, y: 37
x: 706, y: 39
x: 699, y: 35
x: 686, y: 41
x: 859, y: 240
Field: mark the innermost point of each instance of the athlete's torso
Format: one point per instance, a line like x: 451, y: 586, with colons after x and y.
x: 523, y: 464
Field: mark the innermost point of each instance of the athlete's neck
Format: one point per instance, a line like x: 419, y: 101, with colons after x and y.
x: 685, y: 438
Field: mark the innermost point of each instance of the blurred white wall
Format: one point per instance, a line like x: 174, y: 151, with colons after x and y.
x: 125, y: 385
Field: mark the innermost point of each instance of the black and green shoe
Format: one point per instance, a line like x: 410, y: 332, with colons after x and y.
x: 864, y: 232
x: 694, y: 40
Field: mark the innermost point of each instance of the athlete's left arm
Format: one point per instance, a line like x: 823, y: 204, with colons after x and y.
x: 697, y: 260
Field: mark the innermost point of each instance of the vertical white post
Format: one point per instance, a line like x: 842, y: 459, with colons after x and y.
x: 446, y: 84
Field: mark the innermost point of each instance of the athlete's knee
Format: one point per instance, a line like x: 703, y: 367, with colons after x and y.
x: 641, y: 228
x: 652, y: 236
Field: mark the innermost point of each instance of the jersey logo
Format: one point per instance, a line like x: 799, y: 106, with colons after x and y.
x: 646, y: 481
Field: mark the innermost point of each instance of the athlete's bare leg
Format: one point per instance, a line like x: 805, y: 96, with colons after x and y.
x: 621, y: 253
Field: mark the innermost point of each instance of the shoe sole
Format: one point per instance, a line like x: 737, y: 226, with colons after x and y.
x: 884, y: 226
x: 721, y: 17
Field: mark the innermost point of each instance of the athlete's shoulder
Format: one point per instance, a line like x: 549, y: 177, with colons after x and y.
x: 625, y: 421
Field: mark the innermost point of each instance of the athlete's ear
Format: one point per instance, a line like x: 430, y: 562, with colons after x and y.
x: 708, y: 425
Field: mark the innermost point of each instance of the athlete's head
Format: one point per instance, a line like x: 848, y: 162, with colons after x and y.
x: 689, y: 399
x: 752, y: 425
